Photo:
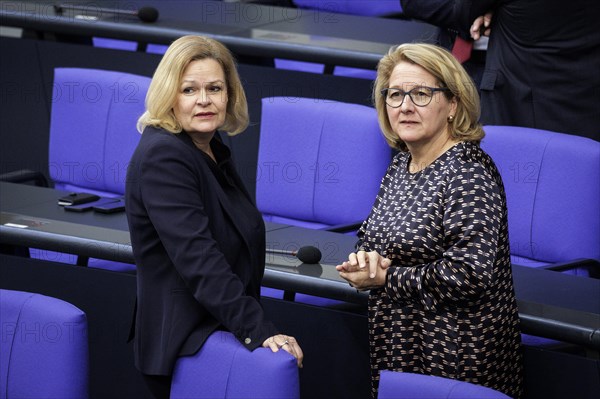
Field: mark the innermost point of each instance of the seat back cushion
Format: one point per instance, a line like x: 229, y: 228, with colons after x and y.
x: 552, y: 183
x: 93, y: 128
x: 398, y: 385
x: 319, y: 161
x: 354, y: 7
x: 223, y: 368
x: 44, y: 352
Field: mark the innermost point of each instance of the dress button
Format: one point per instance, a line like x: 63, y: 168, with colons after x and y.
x: 247, y: 341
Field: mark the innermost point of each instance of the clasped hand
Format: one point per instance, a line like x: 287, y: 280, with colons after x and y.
x: 365, y: 270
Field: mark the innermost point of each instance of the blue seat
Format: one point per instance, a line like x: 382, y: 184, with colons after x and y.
x: 92, y: 128
x: 115, y: 44
x: 397, y: 385
x: 128, y: 45
x: 320, y: 162
x: 552, y: 183
x: 157, y: 48
x: 44, y: 350
x: 313, y: 67
x: 92, y: 136
x: 372, y: 8
x: 223, y: 368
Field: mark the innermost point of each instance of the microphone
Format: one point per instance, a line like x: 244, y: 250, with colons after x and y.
x: 145, y: 14
x: 307, y: 254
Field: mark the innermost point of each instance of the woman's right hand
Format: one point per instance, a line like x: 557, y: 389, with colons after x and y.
x: 287, y: 343
x: 365, y: 270
x: 481, y: 26
x: 361, y: 259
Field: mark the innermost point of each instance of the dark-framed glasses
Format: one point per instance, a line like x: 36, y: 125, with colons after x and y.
x: 420, y: 95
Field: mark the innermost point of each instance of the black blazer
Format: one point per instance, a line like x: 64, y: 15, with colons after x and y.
x: 543, y: 60
x: 199, y: 246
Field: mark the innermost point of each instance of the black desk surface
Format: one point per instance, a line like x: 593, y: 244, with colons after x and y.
x: 30, y: 216
x: 550, y: 303
x: 247, y: 29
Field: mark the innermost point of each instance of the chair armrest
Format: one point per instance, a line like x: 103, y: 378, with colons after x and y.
x: 25, y: 175
x: 592, y: 265
x: 344, y: 228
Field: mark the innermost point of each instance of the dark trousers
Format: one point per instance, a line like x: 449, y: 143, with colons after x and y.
x: 159, y: 385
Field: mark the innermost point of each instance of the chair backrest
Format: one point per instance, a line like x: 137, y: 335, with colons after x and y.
x: 396, y: 385
x: 552, y: 183
x: 93, y: 128
x: 320, y: 162
x: 223, y: 368
x: 44, y: 350
x: 355, y: 7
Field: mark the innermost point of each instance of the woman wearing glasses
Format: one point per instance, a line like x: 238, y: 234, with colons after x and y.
x: 434, y: 251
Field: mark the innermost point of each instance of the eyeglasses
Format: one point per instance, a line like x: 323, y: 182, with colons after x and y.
x: 420, y: 95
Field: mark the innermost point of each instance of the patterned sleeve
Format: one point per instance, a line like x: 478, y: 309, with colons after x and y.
x: 473, y: 208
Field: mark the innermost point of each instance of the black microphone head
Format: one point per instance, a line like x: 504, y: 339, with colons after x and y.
x: 147, y: 14
x: 309, y: 254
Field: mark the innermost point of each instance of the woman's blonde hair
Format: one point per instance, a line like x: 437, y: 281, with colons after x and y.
x: 165, y: 83
x: 448, y: 72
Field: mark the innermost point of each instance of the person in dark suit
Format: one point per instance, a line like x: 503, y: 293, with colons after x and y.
x: 198, y: 239
x: 542, y: 61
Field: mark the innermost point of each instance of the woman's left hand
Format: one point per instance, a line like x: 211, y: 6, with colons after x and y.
x: 287, y: 343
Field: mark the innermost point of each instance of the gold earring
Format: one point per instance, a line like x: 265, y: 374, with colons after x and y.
x: 450, y: 118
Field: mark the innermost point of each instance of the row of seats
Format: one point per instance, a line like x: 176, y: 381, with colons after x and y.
x: 44, y: 354
x: 307, y: 169
x: 371, y: 8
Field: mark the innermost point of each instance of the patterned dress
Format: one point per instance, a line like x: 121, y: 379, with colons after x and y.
x: 448, y: 306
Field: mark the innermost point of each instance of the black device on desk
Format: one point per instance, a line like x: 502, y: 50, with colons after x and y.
x: 110, y: 207
x: 77, y: 199
x: 86, y: 206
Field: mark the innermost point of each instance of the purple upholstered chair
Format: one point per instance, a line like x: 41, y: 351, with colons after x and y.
x: 115, y: 44
x: 44, y: 348
x: 92, y: 128
x: 552, y: 183
x: 396, y: 385
x: 92, y: 136
x: 374, y: 8
x: 223, y: 368
x: 320, y: 162
x: 128, y: 45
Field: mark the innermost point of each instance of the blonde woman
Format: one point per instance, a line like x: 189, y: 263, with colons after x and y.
x: 197, y: 238
x: 434, y: 252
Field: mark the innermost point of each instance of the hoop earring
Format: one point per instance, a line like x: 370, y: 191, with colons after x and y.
x: 450, y: 118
